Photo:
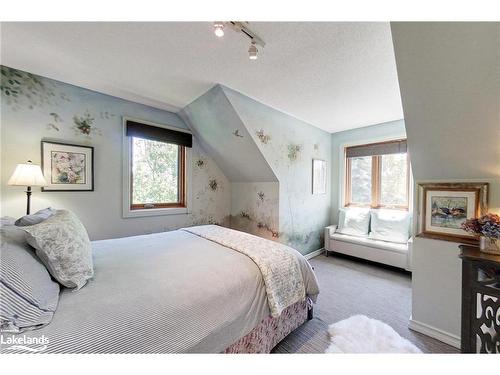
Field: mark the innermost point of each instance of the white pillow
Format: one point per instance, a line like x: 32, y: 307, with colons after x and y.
x: 354, y: 221
x: 390, y: 225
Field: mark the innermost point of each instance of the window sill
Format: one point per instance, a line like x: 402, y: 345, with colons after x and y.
x: 128, y: 213
x: 398, y: 208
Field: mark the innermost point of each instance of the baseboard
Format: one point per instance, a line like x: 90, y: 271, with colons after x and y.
x: 314, y: 253
x: 435, y: 333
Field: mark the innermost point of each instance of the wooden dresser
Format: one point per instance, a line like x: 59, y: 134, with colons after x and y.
x: 480, y: 301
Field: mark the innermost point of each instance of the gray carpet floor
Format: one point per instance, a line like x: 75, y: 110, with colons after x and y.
x: 349, y: 287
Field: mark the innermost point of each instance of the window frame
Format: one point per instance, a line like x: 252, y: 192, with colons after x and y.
x: 376, y: 180
x: 129, y: 209
x: 181, y: 184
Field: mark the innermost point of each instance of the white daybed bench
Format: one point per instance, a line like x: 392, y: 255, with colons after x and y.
x: 377, y: 235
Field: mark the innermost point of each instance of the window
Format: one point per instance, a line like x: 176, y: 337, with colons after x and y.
x: 155, y: 169
x: 157, y: 174
x: 377, y: 175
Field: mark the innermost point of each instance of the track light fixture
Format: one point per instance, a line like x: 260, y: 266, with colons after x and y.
x: 252, y: 51
x: 219, y: 29
x: 241, y: 27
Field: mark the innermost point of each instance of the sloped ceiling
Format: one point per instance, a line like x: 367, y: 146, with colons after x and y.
x: 333, y: 75
x: 449, y: 74
x: 223, y: 135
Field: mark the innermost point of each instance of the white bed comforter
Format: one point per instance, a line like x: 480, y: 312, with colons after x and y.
x: 278, y: 264
x: 172, y: 292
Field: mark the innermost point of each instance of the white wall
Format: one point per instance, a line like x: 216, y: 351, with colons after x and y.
x: 449, y: 75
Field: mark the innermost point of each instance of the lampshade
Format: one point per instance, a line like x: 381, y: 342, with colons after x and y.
x: 27, y: 175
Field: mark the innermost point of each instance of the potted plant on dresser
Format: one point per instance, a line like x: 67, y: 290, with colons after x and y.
x: 487, y: 228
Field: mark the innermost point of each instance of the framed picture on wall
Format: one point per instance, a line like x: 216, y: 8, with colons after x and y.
x: 67, y: 167
x: 445, y: 206
x: 318, y: 176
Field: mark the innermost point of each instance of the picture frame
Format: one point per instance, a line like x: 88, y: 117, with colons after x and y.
x: 443, y: 207
x: 67, y: 167
x: 319, y: 176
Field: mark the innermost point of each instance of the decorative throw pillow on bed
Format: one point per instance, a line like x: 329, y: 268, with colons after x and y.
x: 354, y: 221
x: 63, y: 245
x: 35, y: 218
x: 28, y: 295
x: 390, y: 225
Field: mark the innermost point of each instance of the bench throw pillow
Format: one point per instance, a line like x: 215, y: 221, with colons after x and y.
x: 28, y: 295
x: 354, y: 221
x: 35, y: 218
x: 390, y: 225
x: 63, y: 245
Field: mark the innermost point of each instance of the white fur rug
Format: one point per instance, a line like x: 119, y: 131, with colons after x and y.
x: 360, y: 334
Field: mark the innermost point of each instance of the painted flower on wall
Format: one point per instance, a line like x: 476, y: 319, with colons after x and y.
x: 294, y: 151
x: 274, y: 233
x: 261, y: 196
x: 200, y: 163
x: 236, y: 133
x: 213, y: 184
x: 84, y: 125
x: 105, y: 115
x: 213, y: 221
x: 264, y: 138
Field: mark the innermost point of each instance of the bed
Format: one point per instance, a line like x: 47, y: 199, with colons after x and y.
x: 173, y: 292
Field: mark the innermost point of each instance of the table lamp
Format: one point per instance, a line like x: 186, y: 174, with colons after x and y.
x: 27, y: 175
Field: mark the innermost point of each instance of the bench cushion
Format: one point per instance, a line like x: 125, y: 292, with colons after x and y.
x: 383, y: 245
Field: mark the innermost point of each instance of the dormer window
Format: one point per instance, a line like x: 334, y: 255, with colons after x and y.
x: 156, y: 169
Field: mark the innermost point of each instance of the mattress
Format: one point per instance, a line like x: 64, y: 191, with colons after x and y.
x: 171, y: 292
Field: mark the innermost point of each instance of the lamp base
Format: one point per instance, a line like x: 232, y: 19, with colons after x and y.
x: 28, y: 199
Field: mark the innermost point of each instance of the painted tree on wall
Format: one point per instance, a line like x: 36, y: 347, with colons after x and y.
x: 22, y: 89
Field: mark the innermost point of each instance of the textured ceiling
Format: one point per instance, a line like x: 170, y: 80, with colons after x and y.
x: 332, y: 75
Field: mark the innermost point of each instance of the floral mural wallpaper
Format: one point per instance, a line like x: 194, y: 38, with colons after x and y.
x: 282, y: 208
x: 36, y: 108
x: 211, y: 195
x: 251, y: 164
x: 254, y: 208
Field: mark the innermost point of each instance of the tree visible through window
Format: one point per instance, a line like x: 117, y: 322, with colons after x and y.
x: 377, y: 175
x: 394, y: 180
x: 157, y: 174
x: 361, y: 180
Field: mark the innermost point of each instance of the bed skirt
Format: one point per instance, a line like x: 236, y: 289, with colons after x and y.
x: 270, y: 331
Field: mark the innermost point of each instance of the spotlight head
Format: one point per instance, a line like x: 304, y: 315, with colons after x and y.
x: 219, y: 29
x: 252, y: 51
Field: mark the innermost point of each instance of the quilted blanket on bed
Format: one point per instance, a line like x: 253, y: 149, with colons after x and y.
x: 278, y: 263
